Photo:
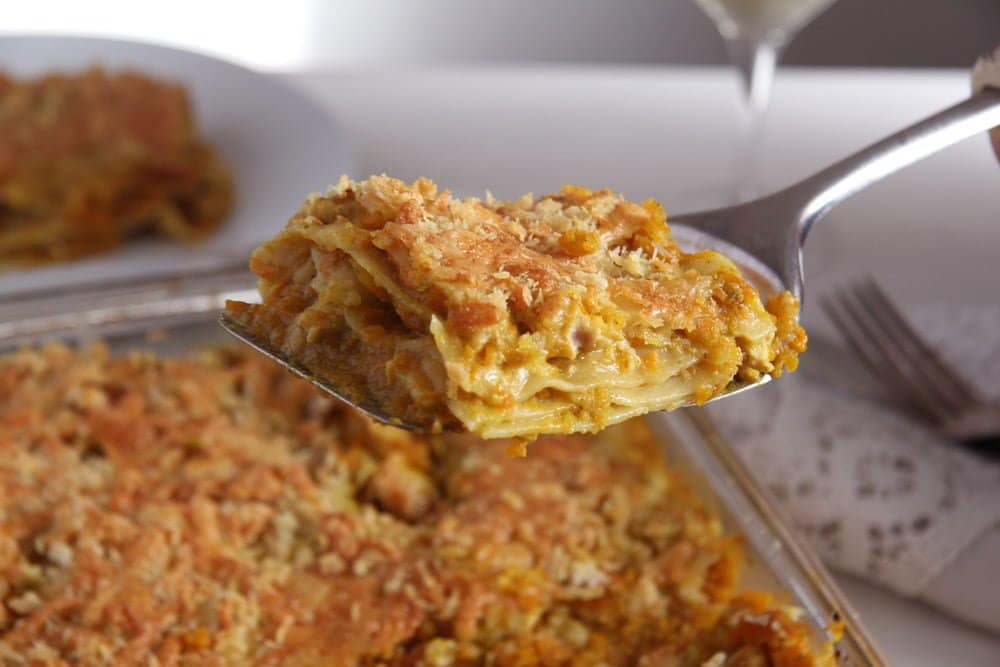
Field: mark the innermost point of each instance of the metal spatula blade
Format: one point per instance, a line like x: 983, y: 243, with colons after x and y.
x: 342, y: 385
x: 346, y: 387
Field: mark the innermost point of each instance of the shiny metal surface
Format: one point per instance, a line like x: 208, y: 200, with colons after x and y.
x: 830, y: 363
x: 774, y: 228
x: 120, y: 307
x: 910, y: 369
x: 343, y: 387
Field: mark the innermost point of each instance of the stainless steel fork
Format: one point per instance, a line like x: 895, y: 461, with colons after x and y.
x: 889, y: 346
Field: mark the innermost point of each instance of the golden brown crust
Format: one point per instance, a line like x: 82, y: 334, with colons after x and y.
x: 791, y: 337
x: 557, y: 314
x: 88, y: 160
x: 215, y: 511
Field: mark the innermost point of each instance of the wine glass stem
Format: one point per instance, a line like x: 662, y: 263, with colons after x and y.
x: 756, y: 59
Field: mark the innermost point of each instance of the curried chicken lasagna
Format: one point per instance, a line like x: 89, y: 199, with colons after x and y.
x: 92, y: 159
x: 559, y: 314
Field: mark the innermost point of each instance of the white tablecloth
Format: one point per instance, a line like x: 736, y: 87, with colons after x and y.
x: 667, y: 133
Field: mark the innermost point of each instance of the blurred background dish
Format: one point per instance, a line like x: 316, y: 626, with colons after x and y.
x: 92, y: 159
x: 278, y: 143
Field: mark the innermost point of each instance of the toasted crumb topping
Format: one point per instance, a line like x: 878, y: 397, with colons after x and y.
x: 213, y: 510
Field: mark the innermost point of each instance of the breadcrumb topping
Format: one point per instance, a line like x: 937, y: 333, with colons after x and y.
x: 213, y: 510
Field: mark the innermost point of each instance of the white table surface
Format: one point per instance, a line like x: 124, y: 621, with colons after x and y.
x: 668, y: 133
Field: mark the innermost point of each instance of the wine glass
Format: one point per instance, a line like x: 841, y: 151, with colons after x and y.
x: 756, y: 31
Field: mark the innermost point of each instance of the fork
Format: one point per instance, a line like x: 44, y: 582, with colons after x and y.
x: 909, y: 369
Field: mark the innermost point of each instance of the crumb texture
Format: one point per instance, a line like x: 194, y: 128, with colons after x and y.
x: 213, y: 510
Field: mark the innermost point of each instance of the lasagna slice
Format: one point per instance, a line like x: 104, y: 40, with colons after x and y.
x: 564, y: 313
x: 91, y: 159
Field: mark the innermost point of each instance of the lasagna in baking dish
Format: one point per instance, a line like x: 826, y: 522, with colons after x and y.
x: 556, y: 314
x: 89, y: 160
x: 215, y: 510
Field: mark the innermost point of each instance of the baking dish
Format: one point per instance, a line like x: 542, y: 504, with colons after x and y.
x: 779, y: 560
x: 181, y: 313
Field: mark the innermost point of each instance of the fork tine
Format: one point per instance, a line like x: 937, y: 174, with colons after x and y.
x: 855, y: 341
x: 896, y: 347
x: 888, y: 346
x: 927, y: 356
x: 869, y: 346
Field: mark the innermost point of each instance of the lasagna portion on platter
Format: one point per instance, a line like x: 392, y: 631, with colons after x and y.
x: 214, y: 510
x: 89, y: 160
x: 563, y: 313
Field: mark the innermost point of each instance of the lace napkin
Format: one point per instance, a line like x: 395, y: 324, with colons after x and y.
x: 879, y: 495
